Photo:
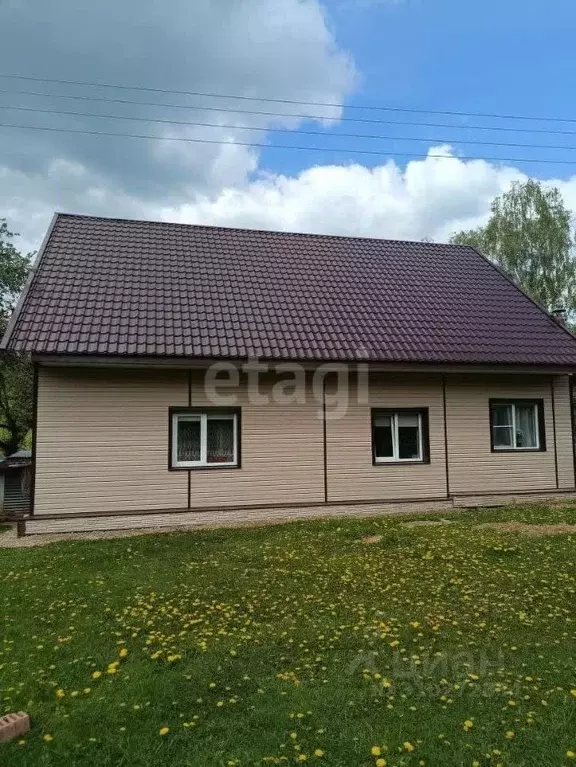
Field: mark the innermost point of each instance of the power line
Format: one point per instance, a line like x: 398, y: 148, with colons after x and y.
x: 297, y: 131
x: 287, y: 146
x: 284, y: 115
x: 287, y: 101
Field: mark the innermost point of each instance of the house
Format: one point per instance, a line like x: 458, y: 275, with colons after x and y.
x: 185, y: 369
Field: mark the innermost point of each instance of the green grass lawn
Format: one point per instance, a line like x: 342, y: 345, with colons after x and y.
x: 445, y: 645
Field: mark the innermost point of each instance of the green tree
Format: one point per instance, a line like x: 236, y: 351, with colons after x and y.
x: 530, y: 236
x: 16, y: 376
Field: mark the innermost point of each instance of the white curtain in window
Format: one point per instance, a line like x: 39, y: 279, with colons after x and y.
x: 526, y: 431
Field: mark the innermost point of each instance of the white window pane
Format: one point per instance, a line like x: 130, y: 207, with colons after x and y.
x: 383, y: 442
x: 409, y: 441
x: 188, y: 445
x: 526, y: 426
x: 503, y: 436
x: 220, y: 440
x: 408, y: 419
x: 502, y: 415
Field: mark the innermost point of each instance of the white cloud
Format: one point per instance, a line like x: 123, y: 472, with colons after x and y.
x: 257, y: 48
x: 431, y: 197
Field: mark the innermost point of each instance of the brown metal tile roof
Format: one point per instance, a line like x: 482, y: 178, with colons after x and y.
x: 117, y: 287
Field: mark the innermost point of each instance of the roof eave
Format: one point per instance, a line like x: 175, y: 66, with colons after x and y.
x: 133, y: 361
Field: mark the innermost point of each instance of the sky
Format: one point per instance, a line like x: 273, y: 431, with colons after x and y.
x: 411, y: 88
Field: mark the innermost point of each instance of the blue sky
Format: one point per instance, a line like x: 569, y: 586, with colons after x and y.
x: 491, y: 57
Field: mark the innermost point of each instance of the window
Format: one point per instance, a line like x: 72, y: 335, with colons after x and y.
x: 400, y: 435
x: 517, y: 425
x: 204, y: 438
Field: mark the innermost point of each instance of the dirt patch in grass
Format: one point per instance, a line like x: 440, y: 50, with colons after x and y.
x: 534, y: 530
x: 427, y: 522
x: 367, y: 539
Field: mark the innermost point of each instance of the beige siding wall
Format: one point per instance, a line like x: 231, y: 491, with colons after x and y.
x: 474, y: 468
x: 102, y: 440
x: 282, y: 453
x: 102, y: 443
x: 351, y: 475
x: 564, y: 432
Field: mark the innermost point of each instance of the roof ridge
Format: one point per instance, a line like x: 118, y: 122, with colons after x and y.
x: 280, y: 232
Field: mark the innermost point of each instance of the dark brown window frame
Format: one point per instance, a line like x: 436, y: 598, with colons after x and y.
x: 423, y: 413
x: 539, y: 403
x: 237, y: 411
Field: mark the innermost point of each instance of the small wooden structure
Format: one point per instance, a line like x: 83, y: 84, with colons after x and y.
x: 15, y: 484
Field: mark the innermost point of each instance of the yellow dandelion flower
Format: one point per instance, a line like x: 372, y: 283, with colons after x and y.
x: 302, y: 758
x: 123, y: 652
x: 380, y: 762
x: 86, y: 691
x: 47, y: 738
x: 573, y: 692
x: 319, y: 753
x: 60, y: 693
x: 408, y: 746
x: 570, y: 754
x: 510, y: 735
x: 293, y: 735
x: 164, y: 730
x: 375, y: 750
x: 96, y: 675
x: 468, y: 724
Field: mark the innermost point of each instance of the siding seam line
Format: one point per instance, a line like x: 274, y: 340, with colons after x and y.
x: 445, y: 437
x: 325, y: 440
x: 34, y: 439
x: 189, y: 405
